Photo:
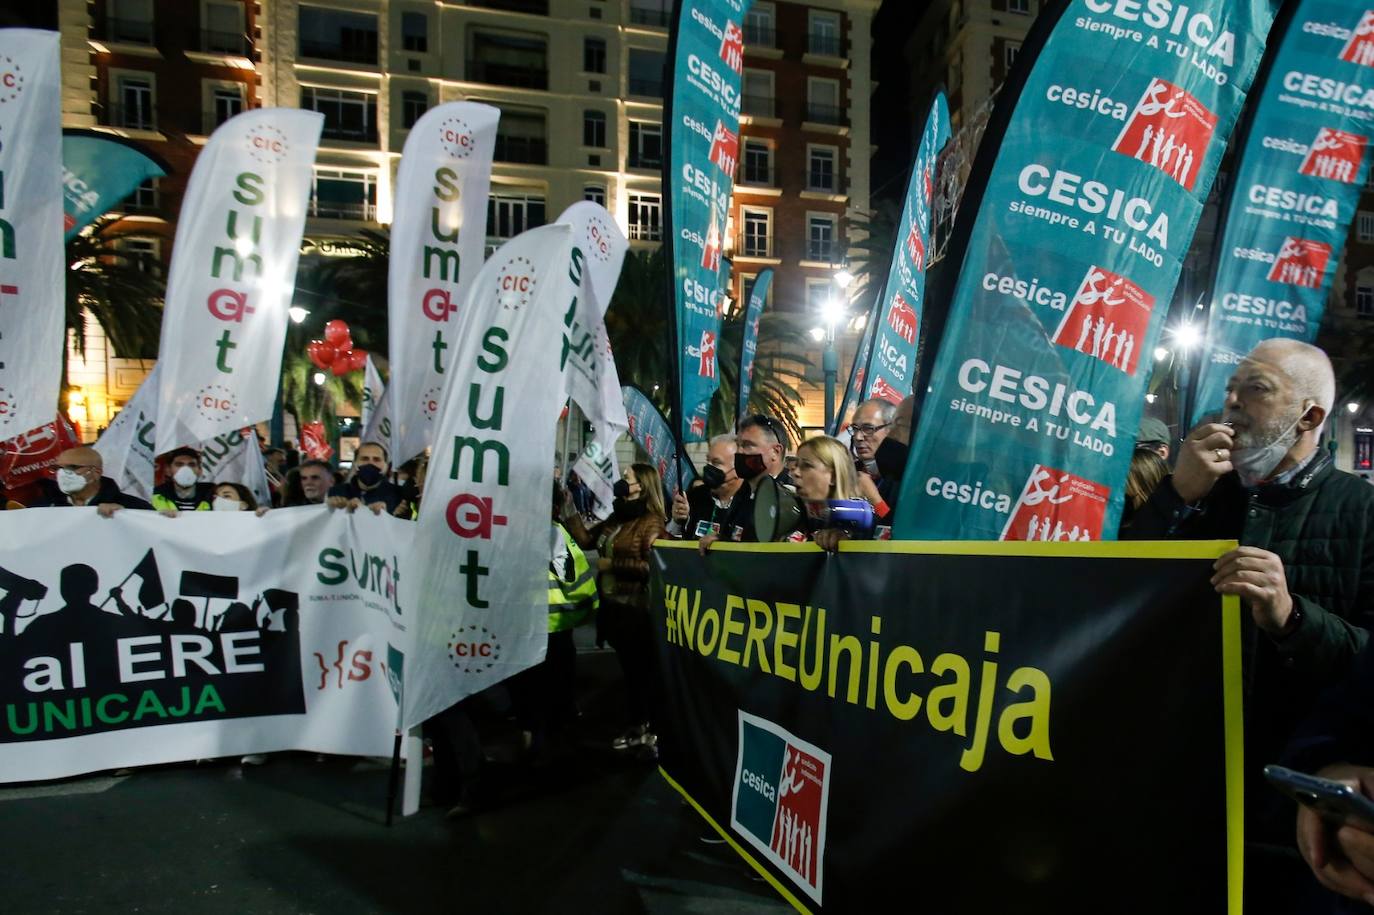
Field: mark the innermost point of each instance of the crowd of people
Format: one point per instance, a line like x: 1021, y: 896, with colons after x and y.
x: 1259, y: 475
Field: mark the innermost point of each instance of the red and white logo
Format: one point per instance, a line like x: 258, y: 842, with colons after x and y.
x: 630, y: 423
x: 724, y: 148
x: 473, y: 649
x: 915, y: 248
x: 216, y: 402
x: 599, y: 238
x: 11, y: 79
x: 697, y: 426
x: 705, y: 354
x: 1056, y: 505
x: 456, y: 137
x: 1107, y: 319
x: 710, y: 252
x: 1170, y: 129
x: 732, y: 47
x: 1301, y: 262
x: 515, y: 283
x: 1360, y: 48
x: 649, y: 442
x: 901, y: 317
x: 884, y: 391
x: 1335, y: 154
x: 267, y: 144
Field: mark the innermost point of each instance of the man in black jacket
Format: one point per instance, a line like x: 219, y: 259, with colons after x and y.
x: 1304, y: 570
x: 369, y: 485
x: 79, y: 482
x: 703, y: 510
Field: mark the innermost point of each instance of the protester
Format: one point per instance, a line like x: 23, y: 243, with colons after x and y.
x: 760, y: 443
x: 581, y: 494
x: 701, y: 510
x: 274, y: 465
x: 410, y: 477
x: 235, y: 497
x: 889, y: 459
x: 824, y: 472
x: 183, y: 490
x: 79, y: 482
x: 369, y: 485
x: 1305, y: 570
x: 1153, y: 436
x: 870, y: 427
x: 315, y: 478
x: 623, y: 542
x: 1147, y: 471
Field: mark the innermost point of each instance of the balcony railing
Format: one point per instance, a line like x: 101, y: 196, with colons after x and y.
x: 816, y: 251
x: 133, y: 117
x: 537, y: 7
x: 760, y: 37
x: 129, y: 31
x: 645, y: 16
x: 212, y: 42
x: 824, y: 114
x: 506, y: 75
x: 829, y: 45
x: 760, y: 177
x: 760, y: 106
x: 364, y: 134
x: 756, y: 247
x: 813, y: 183
x: 650, y: 87
x: 646, y: 231
x: 333, y: 50
x: 522, y: 150
x: 343, y: 209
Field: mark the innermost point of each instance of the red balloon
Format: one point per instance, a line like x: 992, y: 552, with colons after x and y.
x: 342, y: 364
x: 336, y: 332
x: 321, y: 354
x: 358, y: 359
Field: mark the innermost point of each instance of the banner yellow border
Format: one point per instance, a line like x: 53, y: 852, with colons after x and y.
x: 1233, y: 716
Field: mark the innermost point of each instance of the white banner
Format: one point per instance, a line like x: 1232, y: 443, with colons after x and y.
x: 127, y: 445
x: 236, y: 457
x: 140, y: 639
x: 32, y: 281
x: 373, y: 391
x: 437, y: 234
x: 232, y: 275
x: 589, y: 373
x: 483, y: 543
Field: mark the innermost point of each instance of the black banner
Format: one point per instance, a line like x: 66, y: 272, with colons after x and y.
x: 960, y: 727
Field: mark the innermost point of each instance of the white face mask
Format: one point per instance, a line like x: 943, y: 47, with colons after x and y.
x: 221, y: 504
x: 185, y: 477
x: 69, y: 481
x: 1255, y: 464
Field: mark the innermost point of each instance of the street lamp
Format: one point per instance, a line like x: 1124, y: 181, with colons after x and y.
x: 1352, y: 408
x: 833, y: 311
x: 298, y: 314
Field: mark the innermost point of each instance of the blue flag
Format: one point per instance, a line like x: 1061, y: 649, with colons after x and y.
x: 98, y: 171
x: 652, y: 433
x: 753, y: 313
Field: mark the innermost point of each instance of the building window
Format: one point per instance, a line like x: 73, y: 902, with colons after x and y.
x: 646, y: 144
x: 593, y: 55
x: 1364, y: 226
x: 144, y: 198
x: 347, y: 115
x: 820, y: 237
x: 646, y: 72
x: 510, y: 214
x: 413, y: 106
x: 594, y: 129
x: 129, y: 21
x: 226, y: 101
x: 757, y: 240
x: 823, y: 33
x: 1364, y: 301
x: 756, y: 89
x: 330, y: 34
x: 646, y: 217
x: 134, y: 108
x: 144, y: 253
x: 222, y: 28
x: 818, y: 295
x: 522, y: 137
x: 758, y: 162
x: 650, y: 12
x: 338, y: 193
x: 1009, y: 52
x: 823, y: 101
x: 509, y: 60
x: 820, y: 168
x: 758, y: 26
x: 596, y: 193
x: 415, y: 32
x: 1019, y: 6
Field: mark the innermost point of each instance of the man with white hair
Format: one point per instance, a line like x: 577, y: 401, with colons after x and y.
x: 1304, y: 570
x: 703, y: 510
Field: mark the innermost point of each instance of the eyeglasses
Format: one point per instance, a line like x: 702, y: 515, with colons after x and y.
x: 769, y: 423
x: 868, y: 430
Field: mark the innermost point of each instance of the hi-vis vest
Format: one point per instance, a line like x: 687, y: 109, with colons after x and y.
x: 162, y: 503
x: 572, y: 603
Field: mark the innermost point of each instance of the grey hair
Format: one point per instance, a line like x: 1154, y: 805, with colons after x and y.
x: 887, y: 411
x: 725, y: 438
x: 1308, y: 367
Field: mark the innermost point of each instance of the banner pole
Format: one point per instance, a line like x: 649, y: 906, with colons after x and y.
x: 567, y: 441
x: 393, y: 780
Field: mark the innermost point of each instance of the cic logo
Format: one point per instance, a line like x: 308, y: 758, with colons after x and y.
x: 267, y: 144
x: 515, y: 283
x: 456, y: 137
x: 215, y: 402
x: 473, y: 649
x: 11, y: 79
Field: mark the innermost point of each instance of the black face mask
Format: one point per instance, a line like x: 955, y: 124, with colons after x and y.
x: 621, y: 489
x: 712, y: 476
x: 891, y: 458
x: 627, y: 509
x: 369, y: 475
x: 748, y: 466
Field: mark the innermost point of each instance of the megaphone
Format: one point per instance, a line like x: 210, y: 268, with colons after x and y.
x: 853, y: 516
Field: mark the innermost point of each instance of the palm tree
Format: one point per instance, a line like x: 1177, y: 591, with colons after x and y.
x: 122, y: 291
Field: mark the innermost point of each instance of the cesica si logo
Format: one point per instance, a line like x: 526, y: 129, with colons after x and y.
x: 1057, y: 505
x: 456, y: 137
x: 1360, y: 48
x: 1300, y: 262
x: 11, y: 79
x: 267, y: 144
x: 1170, y: 129
x: 780, y: 798
x: 1335, y: 154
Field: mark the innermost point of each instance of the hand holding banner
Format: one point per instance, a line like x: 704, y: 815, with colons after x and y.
x: 232, y: 275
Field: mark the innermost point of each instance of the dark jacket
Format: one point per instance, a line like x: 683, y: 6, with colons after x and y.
x: 385, y: 492
x: 1341, y: 728
x: 1321, y: 524
x: 53, y: 497
x: 701, y: 507
x: 202, y: 497
x: 629, y: 544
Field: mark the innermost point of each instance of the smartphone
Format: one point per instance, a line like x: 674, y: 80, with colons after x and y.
x: 1333, y: 801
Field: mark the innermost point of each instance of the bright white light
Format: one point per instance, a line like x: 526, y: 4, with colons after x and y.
x: 297, y: 313
x: 1161, y: 354
x: 319, y: 377
x: 817, y: 334
x: 1352, y: 408
x: 244, y: 246
x: 844, y: 278
x: 1150, y: 398
x: 1186, y: 335
x: 832, y: 311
